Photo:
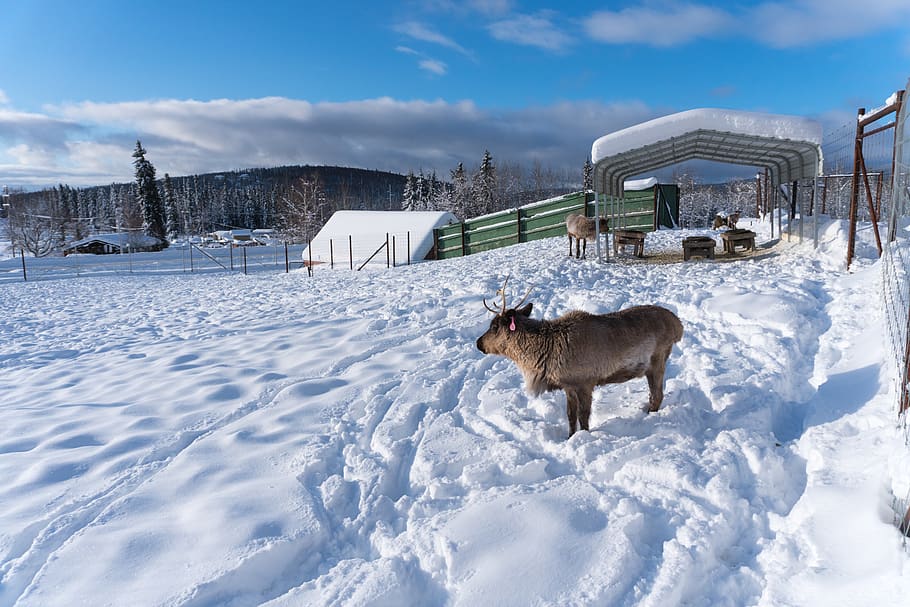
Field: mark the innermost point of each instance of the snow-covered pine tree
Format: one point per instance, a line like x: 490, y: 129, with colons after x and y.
x: 432, y: 188
x: 147, y: 194
x: 420, y: 194
x: 409, y: 197
x: 172, y: 224
x: 461, y: 193
x: 484, y: 185
x: 587, y: 176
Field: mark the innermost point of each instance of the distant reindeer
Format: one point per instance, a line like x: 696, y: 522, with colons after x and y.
x: 582, y: 228
x: 729, y: 221
x: 579, y: 351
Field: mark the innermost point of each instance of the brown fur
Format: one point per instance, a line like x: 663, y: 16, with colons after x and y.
x: 579, y: 351
x: 582, y: 228
x: 725, y: 222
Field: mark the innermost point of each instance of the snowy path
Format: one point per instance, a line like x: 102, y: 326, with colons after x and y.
x: 228, y: 440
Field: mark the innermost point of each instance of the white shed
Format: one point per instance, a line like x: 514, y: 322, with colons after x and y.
x: 354, y: 238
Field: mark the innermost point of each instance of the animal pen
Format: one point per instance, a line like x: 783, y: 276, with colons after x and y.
x: 651, y: 205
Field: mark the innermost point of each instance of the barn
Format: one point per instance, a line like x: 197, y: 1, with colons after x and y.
x: 356, y: 238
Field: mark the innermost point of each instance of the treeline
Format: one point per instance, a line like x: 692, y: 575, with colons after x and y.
x: 296, y: 201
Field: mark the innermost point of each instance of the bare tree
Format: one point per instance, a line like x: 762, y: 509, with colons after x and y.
x: 302, y: 208
x: 31, y: 226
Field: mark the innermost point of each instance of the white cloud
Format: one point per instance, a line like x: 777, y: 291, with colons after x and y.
x: 810, y: 21
x: 424, y: 33
x: 433, y: 66
x: 531, y: 30
x: 4, y: 100
x: 187, y: 136
x: 777, y: 24
x: 671, y: 25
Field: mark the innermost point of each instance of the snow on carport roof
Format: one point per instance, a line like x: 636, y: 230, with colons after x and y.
x: 789, y: 146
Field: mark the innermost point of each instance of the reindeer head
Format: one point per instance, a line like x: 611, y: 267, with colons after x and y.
x: 504, y: 325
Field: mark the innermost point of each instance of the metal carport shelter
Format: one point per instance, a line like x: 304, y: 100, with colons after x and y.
x: 789, y: 147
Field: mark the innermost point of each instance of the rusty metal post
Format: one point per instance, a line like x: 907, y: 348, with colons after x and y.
x: 854, y: 194
x: 872, y: 214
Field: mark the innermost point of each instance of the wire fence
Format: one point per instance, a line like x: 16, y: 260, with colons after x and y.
x: 186, y: 259
x: 896, y: 279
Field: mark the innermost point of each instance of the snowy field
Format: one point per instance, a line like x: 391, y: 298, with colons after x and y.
x: 221, y: 439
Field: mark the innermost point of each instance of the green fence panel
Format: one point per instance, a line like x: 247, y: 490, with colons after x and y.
x: 544, y: 219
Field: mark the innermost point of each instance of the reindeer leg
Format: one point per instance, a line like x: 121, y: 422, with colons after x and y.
x: 584, y: 250
x: 572, y: 410
x: 584, y: 407
x: 655, y: 375
x: 570, y: 245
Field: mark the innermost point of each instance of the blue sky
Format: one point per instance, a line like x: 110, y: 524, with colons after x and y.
x: 400, y: 86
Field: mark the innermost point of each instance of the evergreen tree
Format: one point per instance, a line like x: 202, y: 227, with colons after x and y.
x: 587, y: 176
x: 409, y: 197
x: 148, y: 197
x: 433, y: 188
x: 484, y: 185
x: 172, y: 215
x: 461, y: 193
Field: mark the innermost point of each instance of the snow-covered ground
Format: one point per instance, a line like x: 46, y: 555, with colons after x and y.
x: 277, y: 439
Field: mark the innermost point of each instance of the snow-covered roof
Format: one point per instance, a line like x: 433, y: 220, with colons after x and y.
x: 636, y: 185
x: 789, y: 146
x: 367, y: 231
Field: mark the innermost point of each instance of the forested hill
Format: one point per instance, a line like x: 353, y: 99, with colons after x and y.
x: 295, y: 200
x: 341, y: 187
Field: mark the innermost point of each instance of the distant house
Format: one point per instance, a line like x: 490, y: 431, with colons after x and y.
x: 122, y: 242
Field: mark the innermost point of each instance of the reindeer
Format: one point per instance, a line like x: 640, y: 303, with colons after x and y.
x: 732, y: 219
x: 582, y: 228
x: 579, y: 351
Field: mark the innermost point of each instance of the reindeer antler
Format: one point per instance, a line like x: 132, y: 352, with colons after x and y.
x: 502, y: 291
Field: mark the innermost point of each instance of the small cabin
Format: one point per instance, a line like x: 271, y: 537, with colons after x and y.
x: 108, y: 244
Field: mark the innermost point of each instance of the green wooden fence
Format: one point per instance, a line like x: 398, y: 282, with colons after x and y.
x: 546, y: 219
x: 531, y: 222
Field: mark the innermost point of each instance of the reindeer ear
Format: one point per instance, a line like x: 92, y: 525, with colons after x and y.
x: 525, y: 310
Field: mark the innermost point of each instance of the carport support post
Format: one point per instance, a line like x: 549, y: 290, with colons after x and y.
x: 815, y: 211
x: 596, y: 228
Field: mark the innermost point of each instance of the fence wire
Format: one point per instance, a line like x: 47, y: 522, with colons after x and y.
x: 896, y: 290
